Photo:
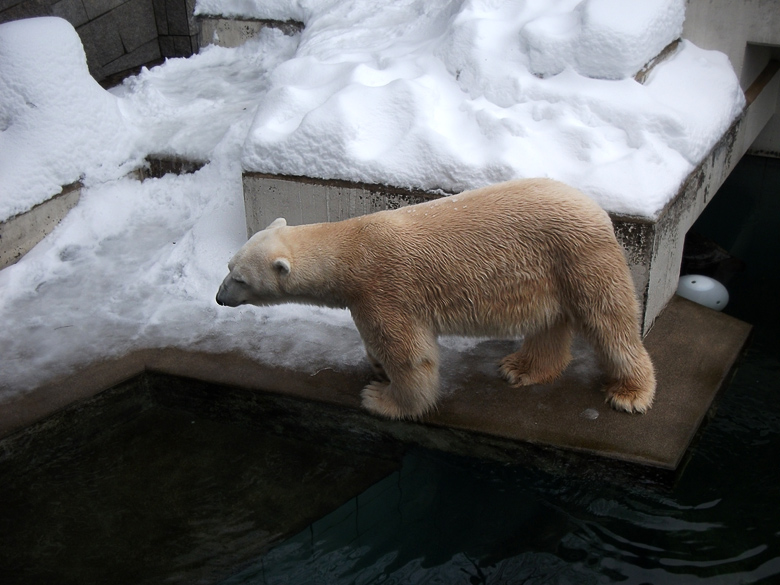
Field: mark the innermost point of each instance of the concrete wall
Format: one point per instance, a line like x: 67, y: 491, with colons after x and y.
x: 119, y: 35
x: 730, y: 27
x: 748, y: 32
x: 768, y: 141
x: 177, y: 27
x: 232, y: 32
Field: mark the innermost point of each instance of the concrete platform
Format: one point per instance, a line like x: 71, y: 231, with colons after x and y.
x: 693, y: 348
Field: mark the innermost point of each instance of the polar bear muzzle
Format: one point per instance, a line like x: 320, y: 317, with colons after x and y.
x: 232, y: 293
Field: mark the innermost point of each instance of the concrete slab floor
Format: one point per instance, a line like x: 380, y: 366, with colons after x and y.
x: 693, y: 349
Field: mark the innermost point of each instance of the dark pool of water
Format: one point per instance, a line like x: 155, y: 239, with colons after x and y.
x: 155, y: 495
x: 445, y: 520
x: 441, y: 519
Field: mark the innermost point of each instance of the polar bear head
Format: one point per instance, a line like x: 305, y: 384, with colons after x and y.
x: 258, y: 270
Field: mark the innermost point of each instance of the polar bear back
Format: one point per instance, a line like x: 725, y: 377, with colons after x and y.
x: 501, y: 259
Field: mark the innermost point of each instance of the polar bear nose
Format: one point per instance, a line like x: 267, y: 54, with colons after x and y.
x: 221, y: 295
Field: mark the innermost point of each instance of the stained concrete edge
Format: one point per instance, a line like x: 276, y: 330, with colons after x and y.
x: 234, y: 32
x: 20, y: 234
x: 693, y: 348
x: 25, y: 407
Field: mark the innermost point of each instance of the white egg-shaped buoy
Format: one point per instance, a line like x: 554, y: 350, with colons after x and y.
x: 703, y: 290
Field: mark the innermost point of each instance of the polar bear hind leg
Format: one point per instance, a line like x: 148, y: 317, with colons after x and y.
x: 542, y: 358
x: 631, y: 378
x: 632, y: 384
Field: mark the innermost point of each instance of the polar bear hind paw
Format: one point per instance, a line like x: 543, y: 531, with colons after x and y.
x: 516, y: 370
x: 630, y: 396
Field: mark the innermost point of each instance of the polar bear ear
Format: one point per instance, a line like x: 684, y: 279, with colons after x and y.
x: 278, y: 222
x: 282, y: 266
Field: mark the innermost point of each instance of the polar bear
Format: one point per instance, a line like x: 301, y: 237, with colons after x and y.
x: 533, y: 258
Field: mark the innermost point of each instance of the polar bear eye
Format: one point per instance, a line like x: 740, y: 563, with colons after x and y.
x: 238, y: 280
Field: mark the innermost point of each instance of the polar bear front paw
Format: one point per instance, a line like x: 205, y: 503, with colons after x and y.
x: 376, y: 399
x: 379, y: 369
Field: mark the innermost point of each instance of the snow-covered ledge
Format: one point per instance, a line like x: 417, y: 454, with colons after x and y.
x: 653, y: 246
x: 605, y: 97
x: 666, y: 234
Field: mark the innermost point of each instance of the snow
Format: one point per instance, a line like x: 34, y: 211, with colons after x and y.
x: 137, y: 264
x: 55, y: 119
x: 456, y: 95
x: 435, y: 95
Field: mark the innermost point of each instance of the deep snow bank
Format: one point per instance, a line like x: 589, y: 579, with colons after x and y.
x: 56, y: 123
x: 438, y: 94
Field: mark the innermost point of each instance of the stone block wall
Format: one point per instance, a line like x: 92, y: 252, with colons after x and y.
x: 177, y: 28
x: 119, y: 36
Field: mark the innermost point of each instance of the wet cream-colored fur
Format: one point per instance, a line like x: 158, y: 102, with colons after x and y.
x: 533, y: 257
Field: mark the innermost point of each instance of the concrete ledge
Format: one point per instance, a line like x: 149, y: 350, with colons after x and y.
x: 20, y: 233
x: 693, y: 349
x: 303, y: 200
x: 231, y: 32
x: 663, y: 259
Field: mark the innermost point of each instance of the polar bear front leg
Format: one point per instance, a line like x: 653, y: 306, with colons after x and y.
x: 409, y: 394
x: 413, y: 373
x: 376, y: 365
